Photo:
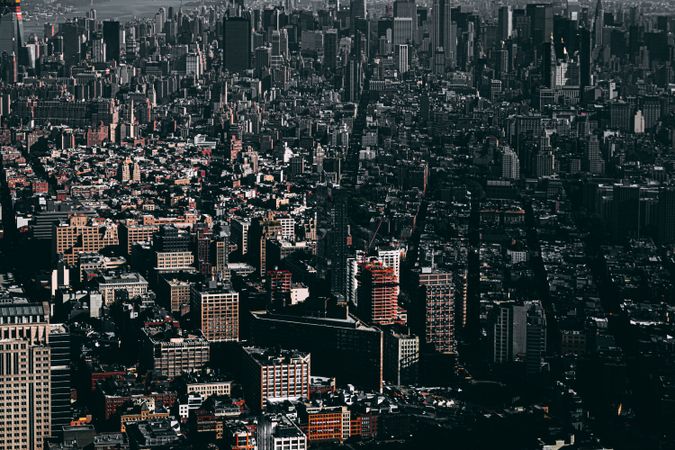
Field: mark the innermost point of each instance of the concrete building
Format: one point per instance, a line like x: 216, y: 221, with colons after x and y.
x: 133, y: 283
x: 215, y: 310
x: 82, y: 235
x: 168, y: 352
x: 401, y: 357
x: 342, y: 347
x: 25, y: 383
x: 275, y: 375
x: 278, y: 432
x: 434, y: 319
x: 377, y: 293
x: 324, y: 423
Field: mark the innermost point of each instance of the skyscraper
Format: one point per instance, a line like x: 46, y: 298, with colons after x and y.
x: 25, y: 404
x: 402, y: 58
x: 548, y: 64
x: 510, y: 164
x: 442, y: 35
x: 237, y: 44
x: 377, y: 291
x: 330, y: 48
x: 403, y: 30
x: 339, y: 240
x: 541, y: 22
x: 598, y: 25
x: 505, y: 23
x: 508, y: 332
x: 111, y: 37
x: 59, y: 343
x: 357, y: 10
x: 407, y: 9
x: 434, y: 318
x: 11, y: 27
x: 535, y: 341
x: 584, y: 60
x: 666, y: 215
x: 71, y: 32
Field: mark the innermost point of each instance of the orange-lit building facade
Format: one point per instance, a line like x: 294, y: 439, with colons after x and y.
x: 377, y: 293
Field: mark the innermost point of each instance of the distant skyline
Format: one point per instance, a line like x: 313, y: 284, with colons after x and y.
x: 122, y: 10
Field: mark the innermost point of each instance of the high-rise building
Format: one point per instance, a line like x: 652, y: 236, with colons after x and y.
x: 263, y: 58
x: 666, y: 215
x: 274, y: 375
x: 401, y: 357
x: 25, y: 382
x: 98, y: 50
x: 354, y: 80
x: 402, y: 58
x: 237, y: 44
x: 340, y: 237
x: 11, y: 27
x: 240, y: 234
x: 402, y: 30
x: 262, y: 230
x: 626, y: 210
x: 507, y: 332
x: 71, y: 32
x: 215, y: 309
x: 598, y: 26
x: 330, y: 48
x: 505, y: 23
x: 112, y: 38
x: 407, y: 9
x: 279, y: 287
x: 510, y: 164
x: 442, y: 36
x: 518, y: 333
x: 541, y: 23
x: 585, y: 58
x: 593, y: 161
x: 377, y: 293
x: 358, y: 10
x: 220, y: 252
x: 548, y: 65
x: 535, y: 341
x: 638, y: 122
x: 60, y: 376
x: 434, y: 319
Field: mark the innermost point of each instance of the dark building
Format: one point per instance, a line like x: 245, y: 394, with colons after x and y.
x: 585, y: 52
x: 237, y: 44
x: 548, y: 64
x: 343, y: 347
x: 666, y: 213
x: 330, y: 49
x: 11, y: 27
x: 170, y: 239
x: 340, y: 241
x: 541, y: 22
x: 59, y: 343
x: 111, y: 37
x: 72, y: 48
x: 626, y: 207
